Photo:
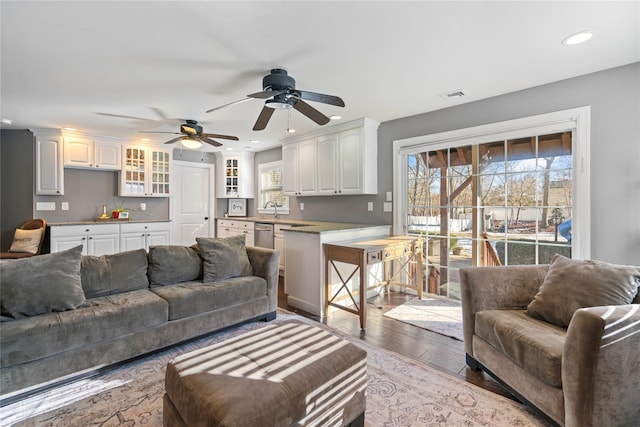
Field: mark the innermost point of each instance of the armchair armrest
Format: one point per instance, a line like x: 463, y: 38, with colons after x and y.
x: 496, y: 288
x: 266, y: 264
x: 600, y: 364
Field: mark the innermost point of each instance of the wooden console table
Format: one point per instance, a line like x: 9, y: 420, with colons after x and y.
x: 402, y: 257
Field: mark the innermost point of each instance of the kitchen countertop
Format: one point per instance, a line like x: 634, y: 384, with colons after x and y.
x: 107, y: 221
x: 311, y: 227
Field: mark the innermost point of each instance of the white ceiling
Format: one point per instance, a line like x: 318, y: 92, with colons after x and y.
x: 63, y: 62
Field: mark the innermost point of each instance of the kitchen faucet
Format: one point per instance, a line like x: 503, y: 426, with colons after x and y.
x: 275, y: 207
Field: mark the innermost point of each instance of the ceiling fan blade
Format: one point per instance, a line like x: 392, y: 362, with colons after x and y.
x: 320, y: 97
x: 263, y: 118
x: 265, y: 94
x: 229, y: 104
x: 310, y: 112
x: 174, y: 140
x: 125, y: 117
x: 215, y: 135
x: 210, y: 141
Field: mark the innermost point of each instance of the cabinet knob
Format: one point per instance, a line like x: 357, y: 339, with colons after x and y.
x: 206, y: 218
x: 58, y: 191
x: 87, y: 230
x: 90, y: 238
x: 84, y: 238
x: 142, y: 234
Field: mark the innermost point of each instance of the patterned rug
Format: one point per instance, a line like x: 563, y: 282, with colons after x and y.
x: 433, y: 312
x: 400, y: 392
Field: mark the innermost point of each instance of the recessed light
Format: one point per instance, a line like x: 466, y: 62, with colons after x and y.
x: 291, y: 131
x: 70, y: 129
x: 578, y: 38
x: 254, y: 141
x: 229, y: 149
x: 6, y: 121
x: 335, y: 117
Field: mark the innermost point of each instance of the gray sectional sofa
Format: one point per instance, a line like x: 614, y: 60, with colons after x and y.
x: 64, y: 313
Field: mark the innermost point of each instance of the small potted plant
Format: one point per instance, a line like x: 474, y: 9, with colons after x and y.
x: 118, y: 209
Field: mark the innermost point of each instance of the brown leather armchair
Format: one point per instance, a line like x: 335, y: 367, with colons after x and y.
x: 15, y: 252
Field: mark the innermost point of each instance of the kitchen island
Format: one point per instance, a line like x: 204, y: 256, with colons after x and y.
x: 304, y: 275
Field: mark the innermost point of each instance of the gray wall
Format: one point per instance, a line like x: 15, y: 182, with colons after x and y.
x: 614, y: 97
x: 16, y: 182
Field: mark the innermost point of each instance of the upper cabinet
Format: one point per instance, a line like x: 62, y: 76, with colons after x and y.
x: 49, y: 163
x: 145, y: 172
x: 235, y: 175
x: 85, y: 153
x: 344, y: 160
x: 300, y: 168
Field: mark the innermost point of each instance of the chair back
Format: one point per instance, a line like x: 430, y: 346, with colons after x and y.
x: 32, y: 224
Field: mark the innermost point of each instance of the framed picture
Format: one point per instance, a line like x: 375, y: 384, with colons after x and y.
x: 124, y: 215
x: 237, y: 207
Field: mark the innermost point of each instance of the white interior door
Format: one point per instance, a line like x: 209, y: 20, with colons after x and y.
x: 192, y: 202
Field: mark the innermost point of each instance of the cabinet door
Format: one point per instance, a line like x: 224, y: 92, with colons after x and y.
x: 78, y: 152
x: 157, y: 238
x: 350, y: 162
x: 67, y: 242
x: 159, y: 173
x: 107, y: 155
x: 249, y: 238
x: 290, y: 169
x: 49, y: 167
x: 103, y: 244
x: 133, y: 180
x: 132, y: 241
x: 307, y: 167
x: 327, y: 164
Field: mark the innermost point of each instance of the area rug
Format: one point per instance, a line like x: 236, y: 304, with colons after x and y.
x: 400, y: 392
x: 433, y: 312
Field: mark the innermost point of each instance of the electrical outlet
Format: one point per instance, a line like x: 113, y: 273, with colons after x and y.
x: 370, y: 206
x: 389, y: 196
x: 388, y: 207
x: 46, y: 206
x: 143, y: 206
x: 301, y: 206
x: 64, y: 206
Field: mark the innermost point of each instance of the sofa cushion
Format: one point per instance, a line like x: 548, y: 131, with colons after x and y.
x: 193, y: 298
x: 224, y: 258
x: 534, y: 345
x: 106, y: 318
x: 573, y: 284
x: 41, y: 284
x: 27, y: 241
x: 169, y: 264
x: 112, y: 274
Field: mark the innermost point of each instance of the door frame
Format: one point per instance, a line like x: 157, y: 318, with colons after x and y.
x: 212, y: 197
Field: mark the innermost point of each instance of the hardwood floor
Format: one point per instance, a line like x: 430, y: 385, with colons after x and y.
x: 437, y: 351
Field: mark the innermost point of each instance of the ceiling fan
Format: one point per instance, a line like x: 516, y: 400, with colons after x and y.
x: 280, y: 93
x: 192, y: 136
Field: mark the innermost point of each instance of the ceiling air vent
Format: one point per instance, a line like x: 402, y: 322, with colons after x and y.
x: 453, y: 94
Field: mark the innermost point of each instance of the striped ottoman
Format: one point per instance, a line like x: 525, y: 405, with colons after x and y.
x: 287, y: 373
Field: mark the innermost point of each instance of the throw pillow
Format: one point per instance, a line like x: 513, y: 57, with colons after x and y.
x: 224, y: 258
x: 26, y: 241
x: 170, y: 264
x: 42, y: 284
x: 115, y: 273
x: 573, y: 284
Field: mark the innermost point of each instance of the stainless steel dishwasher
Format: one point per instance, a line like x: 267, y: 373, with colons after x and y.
x: 263, y: 235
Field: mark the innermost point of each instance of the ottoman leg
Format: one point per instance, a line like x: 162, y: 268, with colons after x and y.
x: 170, y: 415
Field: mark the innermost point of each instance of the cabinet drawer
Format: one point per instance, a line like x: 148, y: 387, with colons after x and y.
x: 395, y: 252
x: 373, y: 257
x: 279, y: 229
x: 244, y: 225
x: 144, y: 226
x: 77, y: 230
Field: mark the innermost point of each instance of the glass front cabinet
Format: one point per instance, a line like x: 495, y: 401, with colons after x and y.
x: 145, y: 172
x: 235, y: 175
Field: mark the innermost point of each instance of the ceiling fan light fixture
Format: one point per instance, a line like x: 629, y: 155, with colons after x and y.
x: 578, y: 38
x: 190, y: 143
x: 278, y: 105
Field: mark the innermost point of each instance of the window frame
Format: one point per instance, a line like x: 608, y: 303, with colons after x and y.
x: 576, y: 120
x: 262, y: 167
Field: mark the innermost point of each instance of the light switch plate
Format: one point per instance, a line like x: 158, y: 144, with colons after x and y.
x: 45, y: 206
x: 388, y: 207
x: 64, y: 206
x: 389, y: 196
x: 370, y: 206
x: 301, y: 206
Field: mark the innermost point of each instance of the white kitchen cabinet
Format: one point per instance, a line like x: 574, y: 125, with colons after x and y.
x: 299, y: 168
x: 85, y: 153
x: 141, y: 235
x: 145, y: 172
x: 278, y: 242
x: 49, y: 163
x: 96, y: 239
x: 232, y: 227
x: 235, y: 176
x: 345, y: 160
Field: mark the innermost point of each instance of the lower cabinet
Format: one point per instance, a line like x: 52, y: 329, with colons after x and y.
x: 278, y: 242
x: 232, y: 227
x: 99, y: 239
x: 142, y: 235
x: 105, y: 239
